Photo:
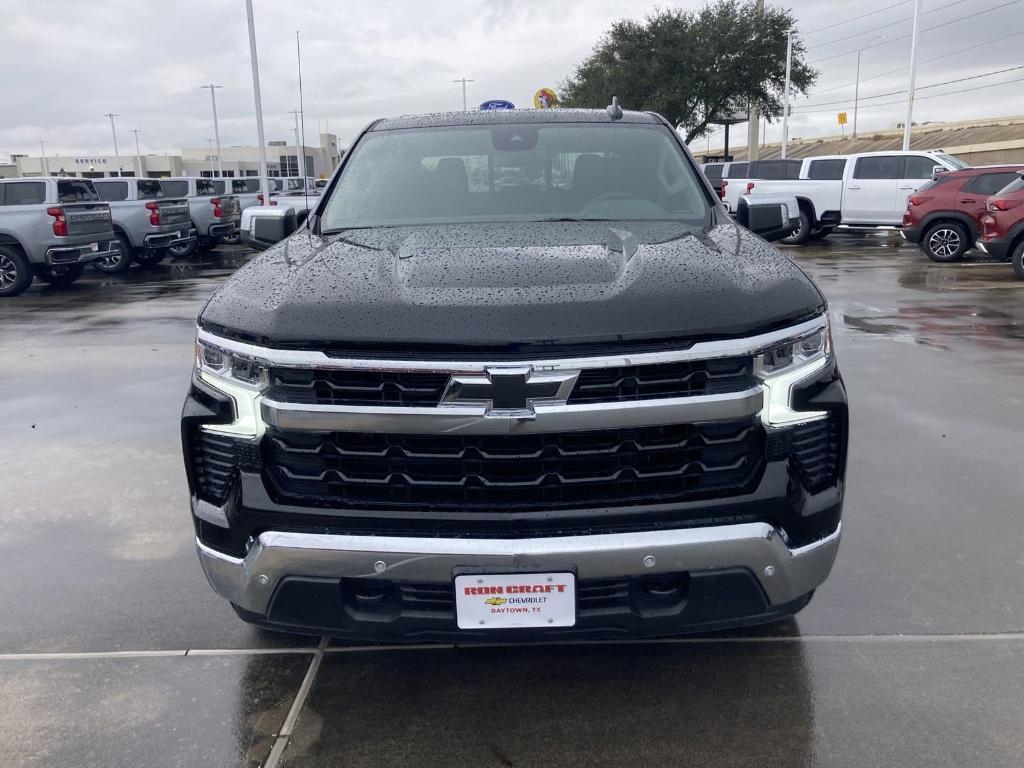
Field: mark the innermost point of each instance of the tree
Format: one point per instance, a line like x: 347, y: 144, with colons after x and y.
x: 692, y: 66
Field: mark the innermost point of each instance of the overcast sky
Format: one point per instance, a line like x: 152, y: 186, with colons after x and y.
x: 67, y: 63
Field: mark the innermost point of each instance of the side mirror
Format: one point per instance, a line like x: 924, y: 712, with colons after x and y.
x: 264, y: 226
x: 937, y: 169
x: 773, y: 217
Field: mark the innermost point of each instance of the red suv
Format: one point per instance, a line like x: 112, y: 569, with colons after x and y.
x: 1002, y: 226
x: 943, y: 216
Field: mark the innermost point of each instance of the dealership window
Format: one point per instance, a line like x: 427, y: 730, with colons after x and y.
x: 24, y: 193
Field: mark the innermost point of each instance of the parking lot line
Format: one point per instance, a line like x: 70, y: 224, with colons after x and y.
x: 293, y: 713
x: 321, y: 649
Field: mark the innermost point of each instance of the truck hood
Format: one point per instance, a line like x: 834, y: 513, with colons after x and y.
x: 507, y: 287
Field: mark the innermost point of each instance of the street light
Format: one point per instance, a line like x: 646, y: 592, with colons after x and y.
x: 138, y: 154
x: 216, y: 128
x: 856, y: 87
x: 264, y: 181
x: 209, y: 143
x: 113, y: 130
x: 463, y: 81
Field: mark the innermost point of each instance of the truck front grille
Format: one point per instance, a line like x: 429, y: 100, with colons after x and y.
x: 594, y: 385
x: 331, y: 387
x: 532, y: 471
x: 678, y: 379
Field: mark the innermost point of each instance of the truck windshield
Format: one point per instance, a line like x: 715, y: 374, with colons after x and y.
x: 516, y: 172
x: 953, y: 161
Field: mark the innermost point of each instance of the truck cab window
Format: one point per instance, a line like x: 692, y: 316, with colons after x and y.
x: 25, y: 193
x: 881, y: 167
x: 112, y: 191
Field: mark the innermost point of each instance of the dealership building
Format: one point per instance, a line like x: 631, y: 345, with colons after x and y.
x: 282, y: 160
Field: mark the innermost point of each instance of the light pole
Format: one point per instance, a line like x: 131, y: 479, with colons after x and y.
x: 46, y: 163
x: 463, y: 80
x: 913, y: 75
x: 785, y: 94
x: 299, y: 150
x: 213, y: 172
x: 216, y: 128
x: 856, y: 87
x: 138, y: 154
x: 264, y: 181
x: 113, y: 130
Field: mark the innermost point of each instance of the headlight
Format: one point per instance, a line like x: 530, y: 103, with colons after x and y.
x: 785, y: 364
x: 239, y: 377
x: 229, y: 366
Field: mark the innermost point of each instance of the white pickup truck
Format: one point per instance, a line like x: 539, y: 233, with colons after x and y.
x: 868, y: 189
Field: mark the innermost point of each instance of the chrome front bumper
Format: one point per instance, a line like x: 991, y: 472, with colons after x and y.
x: 785, y: 574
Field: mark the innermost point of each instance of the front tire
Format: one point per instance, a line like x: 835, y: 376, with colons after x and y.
x: 1017, y: 258
x: 15, y: 272
x: 119, y: 262
x: 61, y: 276
x: 801, y: 233
x: 233, y: 239
x: 946, y: 242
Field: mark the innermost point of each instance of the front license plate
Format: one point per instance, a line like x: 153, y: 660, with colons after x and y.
x: 515, y: 600
x: 94, y: 247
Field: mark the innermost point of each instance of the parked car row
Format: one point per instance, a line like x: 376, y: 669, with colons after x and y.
x: 936, y: 200
x: 52, y: 227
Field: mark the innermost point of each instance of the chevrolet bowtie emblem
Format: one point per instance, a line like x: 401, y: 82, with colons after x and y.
x: 510, y: 392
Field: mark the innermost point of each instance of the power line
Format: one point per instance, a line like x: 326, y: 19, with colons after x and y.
x: 921, y: 98
x: 856, y: 18
x: 926, y: 61
x: 922, y: 87
x: 889, y: 40
x: 885, y: 26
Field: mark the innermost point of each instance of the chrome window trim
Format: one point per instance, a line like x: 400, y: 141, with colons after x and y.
x: 705, y: 350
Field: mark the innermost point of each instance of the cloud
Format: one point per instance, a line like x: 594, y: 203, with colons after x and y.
x: 363, y: 60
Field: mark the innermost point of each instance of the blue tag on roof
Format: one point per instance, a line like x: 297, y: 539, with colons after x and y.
x: 497, y: 104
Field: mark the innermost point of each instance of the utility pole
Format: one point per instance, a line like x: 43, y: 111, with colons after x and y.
x: 300, y: 151
x: 138, y: 154
x: 856, y: 87
x: 913, y: 75
x: 785, y: 94
x: 754, y: 118
x: 216, y: 128
x: 464, y: 81
x: 113, y: 130
x: 46, y: 163
x: 213, y: 171
x: 264, y: 180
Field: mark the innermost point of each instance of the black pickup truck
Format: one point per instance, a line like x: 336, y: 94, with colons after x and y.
x: 518, y: 375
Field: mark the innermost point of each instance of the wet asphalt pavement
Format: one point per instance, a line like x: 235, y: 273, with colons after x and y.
x: 114, y: 651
